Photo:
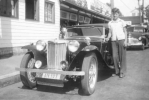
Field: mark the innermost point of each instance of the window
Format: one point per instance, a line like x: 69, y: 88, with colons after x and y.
x: 9, y: 8
x: 49, y: 11
x: 138, y: 29
x: 91, y: 31
x: 130, y: 29
x: 74, y: 32
x: 32, y: 9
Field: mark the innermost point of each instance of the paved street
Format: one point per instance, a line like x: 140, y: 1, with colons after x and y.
x: 135, y: 86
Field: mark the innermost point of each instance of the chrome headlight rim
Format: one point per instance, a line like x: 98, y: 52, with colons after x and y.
x: 73, y: 45
x: 38, y: 64
x: 40, y: 45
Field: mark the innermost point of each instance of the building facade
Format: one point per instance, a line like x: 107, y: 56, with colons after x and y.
x: 23, y: 22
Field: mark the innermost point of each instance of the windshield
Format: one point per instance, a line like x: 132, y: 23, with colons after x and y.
x: 138, y: 29
x: 85, y: 31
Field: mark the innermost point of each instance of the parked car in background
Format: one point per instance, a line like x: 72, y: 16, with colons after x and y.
x: 77, y: 57
x: 137, y: 37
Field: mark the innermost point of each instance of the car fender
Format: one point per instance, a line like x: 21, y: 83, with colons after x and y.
x: 89, y: 48
x: 38, y: 55
x: 80, y: 55
x: 143, y: 37
x: 92, y: 48
x: 30, y: 47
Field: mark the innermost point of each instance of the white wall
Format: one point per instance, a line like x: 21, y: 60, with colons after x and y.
x: 19, y: 32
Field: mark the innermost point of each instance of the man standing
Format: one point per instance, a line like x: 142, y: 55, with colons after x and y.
x: 118, y: 35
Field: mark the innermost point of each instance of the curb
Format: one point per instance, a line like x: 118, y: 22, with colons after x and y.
x: 11, y: 51
x: 9, y: 79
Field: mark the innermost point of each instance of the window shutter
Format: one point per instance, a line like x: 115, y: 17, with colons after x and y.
x: 36, y: 9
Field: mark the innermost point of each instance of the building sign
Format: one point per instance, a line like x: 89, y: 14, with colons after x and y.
x: 87, y: 20
x: 81, y: 3
x: 64, y: 15
x: 81, y: 19
x: 94, y: 5
x: 73, y: 17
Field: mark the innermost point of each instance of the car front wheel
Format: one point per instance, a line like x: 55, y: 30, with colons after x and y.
x: 28, y: 78
x: 89, y: 80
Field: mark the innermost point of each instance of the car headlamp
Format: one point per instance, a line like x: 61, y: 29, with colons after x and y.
x: 38, y: 64
x: 140, y: 38
x: 40, y: 45
x: 73, y: 45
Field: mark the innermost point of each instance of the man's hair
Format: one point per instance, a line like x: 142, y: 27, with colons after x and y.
x: 115, y: 10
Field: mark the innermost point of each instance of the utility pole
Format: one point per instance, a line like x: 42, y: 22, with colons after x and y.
x: 142, y: 11
x: 139, y: 12
x: 112, y: 4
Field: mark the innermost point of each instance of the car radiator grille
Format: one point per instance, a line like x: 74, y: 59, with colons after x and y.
x: 55, y: 54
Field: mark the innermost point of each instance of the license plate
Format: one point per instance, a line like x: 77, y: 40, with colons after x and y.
x: 51, y: 76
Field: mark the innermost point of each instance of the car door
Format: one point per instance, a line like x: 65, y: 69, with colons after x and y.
x: 106, y: 50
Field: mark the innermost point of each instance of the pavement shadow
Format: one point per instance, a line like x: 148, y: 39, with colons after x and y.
x: 104, y: 74
x: 24, y: 87
x: 71, y: 87
x: 43, y: 88
x: 67, y: 89
x: 136, y: 49
x: 6, y: 56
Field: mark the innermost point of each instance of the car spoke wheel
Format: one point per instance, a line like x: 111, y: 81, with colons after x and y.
x: 31, y: 75
x: 92, y: 74
x: 89, y: 80
x: 28, y: 78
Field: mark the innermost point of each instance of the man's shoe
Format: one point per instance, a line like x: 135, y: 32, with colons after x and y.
x: 122, y: 75
x: 113, y: 75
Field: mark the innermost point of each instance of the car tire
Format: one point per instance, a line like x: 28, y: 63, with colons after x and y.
x: 89, y: 80
x: 142, y: 47
x: 28, y: 78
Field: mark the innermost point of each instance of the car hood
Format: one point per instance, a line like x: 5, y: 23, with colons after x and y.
x: 136, y: 34
x: 91, y: 38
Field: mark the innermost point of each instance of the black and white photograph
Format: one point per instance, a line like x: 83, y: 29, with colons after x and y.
x: 74, y: 49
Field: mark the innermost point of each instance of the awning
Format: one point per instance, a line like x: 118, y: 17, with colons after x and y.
x: 73, y: 5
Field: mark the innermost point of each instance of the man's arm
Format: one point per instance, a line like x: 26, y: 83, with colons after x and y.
x: 109, y: 35
x: 125, y: 31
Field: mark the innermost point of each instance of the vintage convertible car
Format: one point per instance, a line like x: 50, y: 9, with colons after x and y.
x: 77, y: 57
x: 137, y: 37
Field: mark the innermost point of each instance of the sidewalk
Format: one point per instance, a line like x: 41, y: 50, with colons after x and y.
x: 8, y: 74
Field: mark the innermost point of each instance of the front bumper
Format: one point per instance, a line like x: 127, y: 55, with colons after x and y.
x: 78, y: 73
x: 135, y: 44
